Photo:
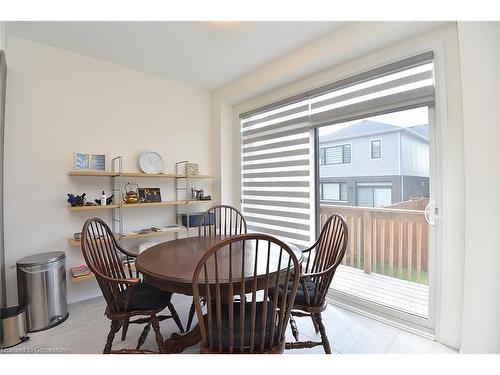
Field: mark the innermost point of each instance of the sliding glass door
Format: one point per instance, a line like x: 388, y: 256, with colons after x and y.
x: 360, y: 147
x: 381, y: 184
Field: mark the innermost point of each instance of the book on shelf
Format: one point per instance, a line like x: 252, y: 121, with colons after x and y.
x: 165, y: 228
x: 79, y: 271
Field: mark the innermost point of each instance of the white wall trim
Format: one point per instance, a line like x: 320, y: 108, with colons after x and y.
x: 479, y: 45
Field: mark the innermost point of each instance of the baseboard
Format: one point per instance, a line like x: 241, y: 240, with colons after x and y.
x: 83, y: 296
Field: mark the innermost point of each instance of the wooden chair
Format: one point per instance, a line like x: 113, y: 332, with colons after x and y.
x: 125, y: 293
x: 219, y: 220
x: 247, y: 267
x: 222, y: 220
x: 320, y: 263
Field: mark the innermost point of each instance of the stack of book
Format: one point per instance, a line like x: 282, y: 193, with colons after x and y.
x: 79, y: 271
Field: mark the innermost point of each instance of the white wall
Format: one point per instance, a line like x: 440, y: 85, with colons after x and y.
x: 2, y: 35
x: 479, y: 56
x: 58, y: 102
x: 350, y: 50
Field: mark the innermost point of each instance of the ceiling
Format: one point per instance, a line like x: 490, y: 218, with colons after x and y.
x: 202, y: 54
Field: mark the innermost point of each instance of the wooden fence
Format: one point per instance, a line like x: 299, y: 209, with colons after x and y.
x: 387, y: 241
x: 412, y: 204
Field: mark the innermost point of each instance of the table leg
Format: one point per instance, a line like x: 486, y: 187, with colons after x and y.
x: 178, y: 342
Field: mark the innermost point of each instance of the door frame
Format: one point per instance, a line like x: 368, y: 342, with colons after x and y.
x: 389, y: 315
x: 437, y: 125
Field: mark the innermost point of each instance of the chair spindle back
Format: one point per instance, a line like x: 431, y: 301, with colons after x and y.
x: 248, y: 267
x: 105, y: 259
x: 222, y: 220
x: 329, y: 250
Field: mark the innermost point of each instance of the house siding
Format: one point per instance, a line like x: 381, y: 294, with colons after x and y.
x: 351, y: 186
x: 404, y: 164
x: 415, y: 156
x: 361, y: 163
x: 412, y: 186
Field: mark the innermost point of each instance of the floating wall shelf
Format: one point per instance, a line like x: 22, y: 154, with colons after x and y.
x: 183, y: 183
x: 92, y: 174
x: 136, y: 205
x: 132, y: 174
x: 162, y: 175
x: 132, y: 236
x: 82, y: 278
x: 90, y: 208
x: 165, y: 203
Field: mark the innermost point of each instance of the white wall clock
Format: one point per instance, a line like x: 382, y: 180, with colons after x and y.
x: 151, y: 162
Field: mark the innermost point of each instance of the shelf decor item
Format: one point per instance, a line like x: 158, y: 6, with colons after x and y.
x: 192, y: 169
x: 109, y: 200
x: 197, y: 194
x: 98, y: 162
x: 76, y: 200
x: 149, y: 195
x: 81, y: 161
x: 131, y: 195
x: 151, y: 162
x: 194, y: 219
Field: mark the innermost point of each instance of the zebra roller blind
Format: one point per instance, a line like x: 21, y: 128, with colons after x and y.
x: 276, y: 172
x: 401, y: 85
x: 277, y: 153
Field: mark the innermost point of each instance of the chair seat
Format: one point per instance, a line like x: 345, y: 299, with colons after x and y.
x: 300, y: 297
x: 145, y: 297
x: 247, y: 326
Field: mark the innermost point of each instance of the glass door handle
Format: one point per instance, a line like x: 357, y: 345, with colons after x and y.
x: 430, y: 213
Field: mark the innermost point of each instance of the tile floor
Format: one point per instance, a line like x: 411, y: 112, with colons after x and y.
x: 86, y: 328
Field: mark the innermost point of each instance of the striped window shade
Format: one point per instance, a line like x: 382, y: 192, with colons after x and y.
x: 277, y: 149
x: 277, y: 185
x: 405, y: 84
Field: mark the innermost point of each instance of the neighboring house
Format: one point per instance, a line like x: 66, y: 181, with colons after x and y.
x: 374, y: 164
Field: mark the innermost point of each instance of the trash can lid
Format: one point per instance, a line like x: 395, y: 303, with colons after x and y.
x: 41, y: 258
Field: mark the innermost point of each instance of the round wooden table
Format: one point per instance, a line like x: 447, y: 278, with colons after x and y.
x: 170, y: 266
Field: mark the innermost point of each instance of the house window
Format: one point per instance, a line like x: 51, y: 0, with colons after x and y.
x: 335, y: 155
x: 374, y: 194
x: 321, y: 156
x: 376, y: 149
x: 333, y: 191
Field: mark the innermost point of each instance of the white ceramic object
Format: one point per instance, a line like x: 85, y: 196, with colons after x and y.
x: 151, y: 162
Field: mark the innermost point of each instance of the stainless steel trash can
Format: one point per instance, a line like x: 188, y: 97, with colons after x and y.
x: 13, y: 330
x: 41, y: 288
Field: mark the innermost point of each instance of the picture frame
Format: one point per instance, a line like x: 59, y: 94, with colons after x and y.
x: 98, y: 162
x: 149, y: 195
x: 81, y: 161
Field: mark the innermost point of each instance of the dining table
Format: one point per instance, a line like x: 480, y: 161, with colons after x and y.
x: 170, y: 266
